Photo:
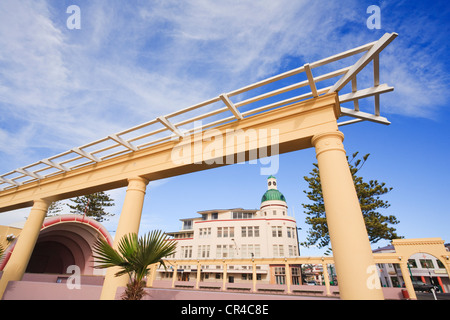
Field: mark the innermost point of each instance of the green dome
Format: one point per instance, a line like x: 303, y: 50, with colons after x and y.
x: 273, y: 194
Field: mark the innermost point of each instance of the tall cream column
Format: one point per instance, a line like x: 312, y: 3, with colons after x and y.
x: 254, y: 275
x: 129, y: 222
x: 288, y: 276
x: 224, y: 280
x: 407, y: 279
x: 326, y: 278
x: 199, y: 270
x: 18, y: 262
x: 355, y: 266
x: 174, y: 274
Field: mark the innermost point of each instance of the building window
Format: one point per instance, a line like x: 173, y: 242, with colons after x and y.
x: 280, y: 275
x: 247, y: 276
x: 295, y: 275
x: 224, y: 251
x: 204, y: 232
x: 278, y: 250
x: 412, y: 263
x: 203, y: 251
x: 276, y: 231
x: 205, y: 216
x: 249, y: 232
x: 186, y: 251
x: 187, y: 224
x: 426, y: 263
x: 214, y: 216
x: 242, y: 215
x: 225, y: 232
x: 290, y: 232
x: 250, y: 250
x: 292, y: 250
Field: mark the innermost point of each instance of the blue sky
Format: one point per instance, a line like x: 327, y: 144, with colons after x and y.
x: 133, y: 60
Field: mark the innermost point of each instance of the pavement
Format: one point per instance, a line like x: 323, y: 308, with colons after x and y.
x: 429, y: 296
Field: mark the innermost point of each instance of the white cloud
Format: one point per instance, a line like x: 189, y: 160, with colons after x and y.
x: 129, y: 63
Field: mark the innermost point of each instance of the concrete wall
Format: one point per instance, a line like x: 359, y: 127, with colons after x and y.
x: 182, y: 294
x: 30, y: 290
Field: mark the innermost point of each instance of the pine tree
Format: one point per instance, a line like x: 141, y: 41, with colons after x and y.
x: 54, y: 209
x: 369, y: 198
x: 92, y: 205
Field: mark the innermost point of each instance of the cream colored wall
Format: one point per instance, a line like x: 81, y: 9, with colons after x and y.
x: 5, y: 231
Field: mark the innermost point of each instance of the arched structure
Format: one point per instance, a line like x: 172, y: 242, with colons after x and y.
x: 405, y: 248
x: 64, y: 241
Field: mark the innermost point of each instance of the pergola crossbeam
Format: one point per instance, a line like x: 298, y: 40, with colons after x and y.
x: 230, y: 105
x: 29, y: 173
x: 363, y: 116
x: 364, y: 60
x: 55, y: 165
x: 311, y: 81
x: 345, y: 123
x: 11, y: 182
x: 123, y: 142
x: 365, y: 93
x: 169, y: 126
x: 86, y: 154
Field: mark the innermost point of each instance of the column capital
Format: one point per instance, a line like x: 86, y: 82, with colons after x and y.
x: 41, y: 204
x: 327, y: 141
x: 137, y: 183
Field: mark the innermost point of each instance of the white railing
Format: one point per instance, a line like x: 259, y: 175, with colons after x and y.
x: 249, y: 100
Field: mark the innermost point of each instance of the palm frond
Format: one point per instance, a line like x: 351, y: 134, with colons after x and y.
x: 135, y: 255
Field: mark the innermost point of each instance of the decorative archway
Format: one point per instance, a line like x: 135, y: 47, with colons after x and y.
x: 405, y: 248
x: 63, y: 241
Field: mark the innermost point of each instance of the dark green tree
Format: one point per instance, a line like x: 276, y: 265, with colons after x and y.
x: 54, y: 209
x: 369, y: 194
x: 92, y: 205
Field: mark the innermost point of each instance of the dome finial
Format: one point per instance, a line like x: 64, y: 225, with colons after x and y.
x: 271, y: 183
x: 272, y: 193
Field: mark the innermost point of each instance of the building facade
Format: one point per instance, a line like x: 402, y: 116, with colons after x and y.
x: 422, y: 267
x: 239, y: 233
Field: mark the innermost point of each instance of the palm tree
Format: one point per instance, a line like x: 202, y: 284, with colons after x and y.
x: 134, y: 256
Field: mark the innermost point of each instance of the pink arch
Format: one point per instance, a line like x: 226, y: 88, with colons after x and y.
x: 73, y: 218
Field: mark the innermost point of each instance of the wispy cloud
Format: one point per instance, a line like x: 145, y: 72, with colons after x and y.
x: 132, y: 61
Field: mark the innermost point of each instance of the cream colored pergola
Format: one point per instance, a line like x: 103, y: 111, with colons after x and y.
x: 164, y: 128
x: 299, y: 115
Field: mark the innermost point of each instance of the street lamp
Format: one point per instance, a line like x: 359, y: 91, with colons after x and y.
x: 409, y: 268
x: 431, y: 279
x: 298, y: 240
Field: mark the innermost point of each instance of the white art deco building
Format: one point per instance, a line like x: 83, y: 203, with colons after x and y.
x: 239, y: 233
